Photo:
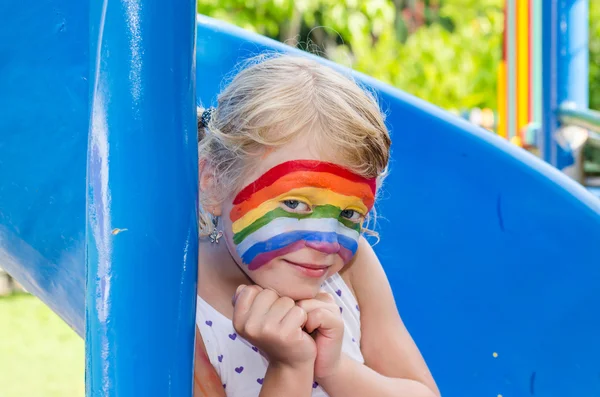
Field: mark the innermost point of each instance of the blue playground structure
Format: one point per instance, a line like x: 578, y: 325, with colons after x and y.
x: 493, y: 254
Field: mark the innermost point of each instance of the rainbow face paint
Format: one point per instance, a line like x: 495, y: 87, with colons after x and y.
x: 264, y: 228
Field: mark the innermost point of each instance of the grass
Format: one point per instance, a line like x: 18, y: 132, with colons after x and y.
x: 39, y: 354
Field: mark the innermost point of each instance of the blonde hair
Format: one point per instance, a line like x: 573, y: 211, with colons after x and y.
x: 269, y: 102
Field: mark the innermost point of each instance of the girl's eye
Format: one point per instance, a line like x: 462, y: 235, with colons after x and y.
x: 352, y: 215
x: 296, y: 206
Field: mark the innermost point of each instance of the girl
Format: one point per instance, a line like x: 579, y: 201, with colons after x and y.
x: 292, y: 301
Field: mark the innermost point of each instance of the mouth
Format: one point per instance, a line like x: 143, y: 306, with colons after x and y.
x: 309, y: 269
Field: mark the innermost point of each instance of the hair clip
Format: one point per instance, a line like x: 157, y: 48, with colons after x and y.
x: 205, y: 117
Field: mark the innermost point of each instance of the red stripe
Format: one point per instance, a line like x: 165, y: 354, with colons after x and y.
x: 272, y: 175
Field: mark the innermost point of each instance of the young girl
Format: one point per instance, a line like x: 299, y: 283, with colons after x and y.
x: 292, y: 301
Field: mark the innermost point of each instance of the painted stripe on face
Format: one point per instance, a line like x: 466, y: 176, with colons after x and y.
x: 282, y: 226
x: 321, y: 180
x: 322, y: 211
x: 265, y: 228
x: 266, y: 257
x: 329, y: 242
x: 309, y: 195
x: 275, y: 173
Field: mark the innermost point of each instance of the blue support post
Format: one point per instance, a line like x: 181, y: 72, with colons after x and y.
x: 565, y: 68
x: 141, y: 253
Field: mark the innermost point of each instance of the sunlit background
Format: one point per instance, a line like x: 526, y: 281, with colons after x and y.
x: 444, y: 51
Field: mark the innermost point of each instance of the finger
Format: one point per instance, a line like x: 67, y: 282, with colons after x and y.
x: 326, y: 322
x: 237, y: 293
x: 243, y: 303
x: 295, y: 318
x: 263, y: 302
x: 279, y: 309
x: 325, y: 297
x: 312, y: 304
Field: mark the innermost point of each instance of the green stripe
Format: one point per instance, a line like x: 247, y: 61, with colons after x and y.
x: 321, y: 211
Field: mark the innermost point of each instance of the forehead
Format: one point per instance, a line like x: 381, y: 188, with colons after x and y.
x: 299, y: 149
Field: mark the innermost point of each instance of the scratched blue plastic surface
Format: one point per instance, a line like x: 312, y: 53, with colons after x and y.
x: 43, y: 139
x: 487, y: 249
x: 142, y: 199
x: 142, y: 177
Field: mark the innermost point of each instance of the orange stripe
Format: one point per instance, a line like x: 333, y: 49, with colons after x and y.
x: 321, y: 180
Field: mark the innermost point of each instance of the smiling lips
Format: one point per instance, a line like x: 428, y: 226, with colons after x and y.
x: 309, y: 269
x: 308, y: 265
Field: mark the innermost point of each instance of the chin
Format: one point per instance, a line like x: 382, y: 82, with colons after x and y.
x: 297, y: 288
x: 299, y: 293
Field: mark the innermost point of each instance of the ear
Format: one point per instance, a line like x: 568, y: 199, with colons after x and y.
x: 207, y: 188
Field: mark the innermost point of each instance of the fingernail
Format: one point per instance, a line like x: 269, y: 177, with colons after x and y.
x: 237, y: 293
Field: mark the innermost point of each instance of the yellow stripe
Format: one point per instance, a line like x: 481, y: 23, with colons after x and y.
x: 522, y: 64
x: 312, y: 196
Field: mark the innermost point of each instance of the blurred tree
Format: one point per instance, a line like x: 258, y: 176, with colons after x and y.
x: 444, y: 51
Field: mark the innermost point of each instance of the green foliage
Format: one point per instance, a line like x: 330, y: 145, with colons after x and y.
x: 444, y: 51
x: 595, y: 55
x: 455, y: 68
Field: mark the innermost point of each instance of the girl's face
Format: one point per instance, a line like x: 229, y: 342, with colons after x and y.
x: 297, y: 220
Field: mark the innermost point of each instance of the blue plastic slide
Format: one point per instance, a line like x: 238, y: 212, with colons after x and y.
x: 493, y: 255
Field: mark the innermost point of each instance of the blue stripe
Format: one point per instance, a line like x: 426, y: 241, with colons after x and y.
x: 286, y: 239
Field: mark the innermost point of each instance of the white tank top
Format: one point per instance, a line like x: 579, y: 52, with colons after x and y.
x: 242, y: 367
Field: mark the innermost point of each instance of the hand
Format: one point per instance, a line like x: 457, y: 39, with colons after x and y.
x: 274, y: 325
x: 325, y: 318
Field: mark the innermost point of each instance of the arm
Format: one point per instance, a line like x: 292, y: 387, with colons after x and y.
x: 395, y: 368
x: 282, y: 380
x: 355, y: 379
x: 206, y: 380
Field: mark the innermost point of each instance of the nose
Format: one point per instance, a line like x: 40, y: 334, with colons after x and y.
x: 324, y: 247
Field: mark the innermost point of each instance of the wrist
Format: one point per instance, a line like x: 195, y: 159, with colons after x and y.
x: 287, y: 379
x: 338, y: 368
x: 305, y: 367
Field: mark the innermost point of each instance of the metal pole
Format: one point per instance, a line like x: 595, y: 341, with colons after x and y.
x: 141, y: 253
x: 565, y: 69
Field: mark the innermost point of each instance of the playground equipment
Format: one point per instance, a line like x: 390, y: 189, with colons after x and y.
x: 491, y: 252
x: 540, y: 77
